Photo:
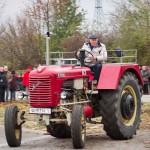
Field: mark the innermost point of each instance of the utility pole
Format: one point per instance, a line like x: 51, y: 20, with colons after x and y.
x: 47, y: 48
x: 98, y: 18
x: 48, y: 35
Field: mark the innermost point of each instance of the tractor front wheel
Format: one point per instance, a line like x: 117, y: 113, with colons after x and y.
x: 78, y: 127
x: 121, y: 108
x: 13, y: 131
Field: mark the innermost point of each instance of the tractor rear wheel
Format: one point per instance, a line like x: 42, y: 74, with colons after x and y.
x: 59, y: 130
x: 13, y: 131
x: 121, y: 108
x: 78, y: 127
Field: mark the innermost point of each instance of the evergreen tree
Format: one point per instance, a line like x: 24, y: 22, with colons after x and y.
x: 66, y: 20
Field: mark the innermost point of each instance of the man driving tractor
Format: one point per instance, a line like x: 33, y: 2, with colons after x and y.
x: 97, y: 54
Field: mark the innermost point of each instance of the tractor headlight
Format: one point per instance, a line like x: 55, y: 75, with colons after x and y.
x: 63, y: 95
x: 20, y: 95
x: 66, y: 95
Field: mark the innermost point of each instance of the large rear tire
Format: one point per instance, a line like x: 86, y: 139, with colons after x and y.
x: 121, y: 108
x: 78, y: 127
x: 13, y: 131
x: 59, y: 130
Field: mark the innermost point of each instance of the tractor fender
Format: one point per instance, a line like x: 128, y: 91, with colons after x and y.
x: 111, y: 74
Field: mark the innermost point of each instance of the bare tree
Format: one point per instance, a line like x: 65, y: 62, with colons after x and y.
x: 39, y: 12
x: 20, y: 43
x: 23, y: 41
x: 131, y: 22
x: 2, y: 28
x: 2, y: 5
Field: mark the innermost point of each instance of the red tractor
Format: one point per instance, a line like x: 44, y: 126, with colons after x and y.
x: 65, y: 98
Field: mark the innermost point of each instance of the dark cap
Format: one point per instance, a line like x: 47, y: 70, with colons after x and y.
x: 92, y: 37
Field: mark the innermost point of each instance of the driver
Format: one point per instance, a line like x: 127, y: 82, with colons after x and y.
x: 99, y: 55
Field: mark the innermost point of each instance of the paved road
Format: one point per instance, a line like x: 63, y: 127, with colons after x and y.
x: 35, y: 140
x: 29, y: 137
x: 146, y: 98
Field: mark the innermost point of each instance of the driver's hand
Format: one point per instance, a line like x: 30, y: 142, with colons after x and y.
x: 94, y: 58
x: 78, y: 53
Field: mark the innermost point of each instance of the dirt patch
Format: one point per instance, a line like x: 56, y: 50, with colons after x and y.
x: 23, y: 106
x: 145, y: 117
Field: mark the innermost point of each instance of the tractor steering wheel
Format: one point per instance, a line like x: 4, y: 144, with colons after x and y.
x: 88, y: 57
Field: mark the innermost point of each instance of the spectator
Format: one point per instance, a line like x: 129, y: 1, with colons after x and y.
x: 13, y: 85
x: 149, y: 79
x: 3, y: 84
x: 8, y: 79
x: 145, y: 76
x: 25, y: 80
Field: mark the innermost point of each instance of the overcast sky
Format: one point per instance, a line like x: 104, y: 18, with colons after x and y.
x: 14, y: 7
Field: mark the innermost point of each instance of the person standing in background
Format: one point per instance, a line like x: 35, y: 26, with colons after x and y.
x: 3, y: 84
x: 13, y: 85
x: 8, y: 79
x: 25, y: 80
x: 149, y: 79
x: 145, y: 76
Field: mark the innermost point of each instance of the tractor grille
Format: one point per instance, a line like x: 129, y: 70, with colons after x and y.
x: 40, y: 91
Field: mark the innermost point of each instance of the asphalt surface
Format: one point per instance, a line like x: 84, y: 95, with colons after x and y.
x: 36, y: 140
x: 29, y: 137
x: 145, y: 98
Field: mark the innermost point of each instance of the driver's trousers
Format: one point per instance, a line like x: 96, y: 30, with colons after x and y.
x: 96, y: 69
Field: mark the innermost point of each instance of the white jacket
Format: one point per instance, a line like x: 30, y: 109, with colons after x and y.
x: 99, y: 52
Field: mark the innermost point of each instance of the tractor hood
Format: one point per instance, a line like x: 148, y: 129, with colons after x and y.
x: 61, y: 72
x: 45, y: 83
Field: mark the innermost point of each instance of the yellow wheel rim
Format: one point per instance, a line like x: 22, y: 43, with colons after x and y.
x: 83, y: 127
x: 17, y: 133
x: 129, y: 121
x: 17, y: 129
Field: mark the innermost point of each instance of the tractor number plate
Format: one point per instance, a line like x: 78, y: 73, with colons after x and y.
x: 39, y: 110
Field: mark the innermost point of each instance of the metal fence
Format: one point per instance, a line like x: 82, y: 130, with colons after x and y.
x: 60, y: 58
x: 122, y: 56
x: 114, y: 56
